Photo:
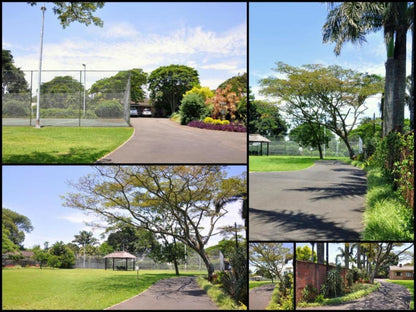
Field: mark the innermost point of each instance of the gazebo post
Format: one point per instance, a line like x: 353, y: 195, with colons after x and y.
x: 267, y: 148
x: 113, y: 264
x: 126, y: 264
x: 261, y: 148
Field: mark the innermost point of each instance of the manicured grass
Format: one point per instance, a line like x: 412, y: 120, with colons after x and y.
x: 284, y: 163
x: 359, y: 290
x: 386, y: 216
x: 409, y: 284
x: 71, y: 289
x: 60, y: 145
x: 218, y: 296
x: 253, y: 284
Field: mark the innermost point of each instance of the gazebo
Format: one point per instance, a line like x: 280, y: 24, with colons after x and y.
x: 257, y: 138
x: 119, y: 256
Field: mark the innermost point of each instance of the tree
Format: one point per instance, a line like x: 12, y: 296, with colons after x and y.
x: 192, y: 108
x: 167, y: 85
x: 81, y: 12
x: 270, y: 257
x: 205, y: 92
x: 346, y: 254
x: 13, y: 79
x: 238, y: 84
x: 184, y: 202
x: 118, y: 83
x: 305, y: 253
x: 85, y: 238
x: 16, y: 226
x: 351, y: 21
x: 62, y: 84
x: 329, y: 96
x: 6, y: 243
x: 265, y: 119
x: 171, y: 252
x: 310, y: 134
x: 369, y: 131
x: 40, y: 255
x: 61, y: 256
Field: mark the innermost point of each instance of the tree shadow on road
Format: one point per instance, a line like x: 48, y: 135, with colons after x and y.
x: 310, y: 225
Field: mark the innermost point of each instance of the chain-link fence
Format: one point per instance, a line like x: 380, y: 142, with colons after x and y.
x: 64, y: 99
x: 193, y: 262
x: 282, y: 146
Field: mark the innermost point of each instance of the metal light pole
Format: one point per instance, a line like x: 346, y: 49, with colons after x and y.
x: 85, y: 83
x: 40, y: 70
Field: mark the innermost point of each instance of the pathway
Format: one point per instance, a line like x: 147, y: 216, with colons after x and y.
x: 388, y: 297
x: 322, y: 202
x: 161, y: 140
x: 259, y: 297
x: 178, y: 293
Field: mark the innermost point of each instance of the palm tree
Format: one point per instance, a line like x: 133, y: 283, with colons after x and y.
x: 85, y: 238
x: 345, y: 253
x: 351, y: 21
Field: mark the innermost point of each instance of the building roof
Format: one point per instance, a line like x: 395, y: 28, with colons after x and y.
x: 120, y: 254
x: 401, y: 268
x: 26, y: 254
x: 257, y: 138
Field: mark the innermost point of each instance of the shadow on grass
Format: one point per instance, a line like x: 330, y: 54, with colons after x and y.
x: 73, y: 156
x: 312, y: 226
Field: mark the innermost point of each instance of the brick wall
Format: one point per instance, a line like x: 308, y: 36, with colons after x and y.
x: 308, y: 273
x: 403, y: 276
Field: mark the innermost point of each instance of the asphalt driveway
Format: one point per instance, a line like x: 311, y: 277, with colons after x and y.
x: 388, y: 297
x: 259, y: 297
x: 160, y: 140
x: 321, y: 203
x: 178, y: 293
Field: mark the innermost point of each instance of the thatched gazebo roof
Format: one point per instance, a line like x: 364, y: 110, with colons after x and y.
x: 257, y: 138
x: 120, y: 255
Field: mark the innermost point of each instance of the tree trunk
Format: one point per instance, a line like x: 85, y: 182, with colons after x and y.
x: 388, y: 96
x: 320, y: 252
x: 175, y: 263
x: 347, y: 255
x: 320, y: 152
x: 208, y: 264
x: 358, y: 256
x: 313, y: 249
x: 348, y: 145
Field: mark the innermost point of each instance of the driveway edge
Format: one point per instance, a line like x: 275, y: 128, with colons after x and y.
x: 125, y: 142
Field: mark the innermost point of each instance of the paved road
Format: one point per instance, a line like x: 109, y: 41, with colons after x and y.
x: 388, y: 297
x: 178, y: 293
x: 259, y: 297
x: 160, y: 140
x: 323, y: 202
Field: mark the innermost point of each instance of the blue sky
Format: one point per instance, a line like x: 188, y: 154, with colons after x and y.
x: 210, y: 37
x: 334, y: 251
x: 34, y: 191
x: 292, y: 33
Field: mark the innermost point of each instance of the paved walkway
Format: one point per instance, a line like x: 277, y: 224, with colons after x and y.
x: 323, y: 202
x: 178, y: 293
x: 259, y: 297
x: 160, y: 140
x: 388, y: 297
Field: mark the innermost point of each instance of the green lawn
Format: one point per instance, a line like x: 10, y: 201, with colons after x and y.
x: 284, y: 163
x: 60, y: 145
x: 409, y: 284
x: 63, y: 289
x: 253, y: 284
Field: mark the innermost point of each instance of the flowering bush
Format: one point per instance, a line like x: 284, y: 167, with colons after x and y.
x: 234, y: 127
x: 211, y: 121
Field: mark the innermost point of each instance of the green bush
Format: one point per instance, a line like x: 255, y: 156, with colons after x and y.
x: 109, y: 109
x: 309, y: 293
x: 192, y: 108
x: 334, y: 285
x: 13, y: 108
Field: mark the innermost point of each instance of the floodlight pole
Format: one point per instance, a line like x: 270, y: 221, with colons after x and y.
x: 40, y: 70
x: 85, y: 83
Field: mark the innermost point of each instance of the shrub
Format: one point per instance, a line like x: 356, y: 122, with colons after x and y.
x: 334, y: 285
x: 309, y: 293
x: 15, y: 108
x: 109, y: 109
x: 231, y: 127
x: 192, y: 108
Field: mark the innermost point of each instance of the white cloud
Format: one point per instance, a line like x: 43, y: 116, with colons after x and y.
x: 120, y: 30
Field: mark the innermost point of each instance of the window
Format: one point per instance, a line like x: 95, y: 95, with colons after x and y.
x: 409, y: 274
x: 398, y: 274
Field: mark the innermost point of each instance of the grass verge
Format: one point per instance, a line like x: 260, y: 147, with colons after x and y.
x: 386, y: 216
x: 218, y: 296
x: 60, y: 145
x: 360, y: 290
x: 409, y: 284
x: 74, y: 289
x: 254, y: 284
x: 284, y: 163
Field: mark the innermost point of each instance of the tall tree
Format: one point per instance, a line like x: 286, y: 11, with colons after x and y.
x: 184, y: 202
x: 352, y: 21
x: 16, y: 226
x: 265, y: 119
x: 85, y: 238
x: 329, y: 96
x: 167, y: 85
x: 305, y: 253
x: 12, y: 78
x: 82, y: 12
x: 270, y: 257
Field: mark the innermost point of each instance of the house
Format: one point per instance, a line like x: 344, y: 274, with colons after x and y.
x: 23, y: 258
x: 401, y: 272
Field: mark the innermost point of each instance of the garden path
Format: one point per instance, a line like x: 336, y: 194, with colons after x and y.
x: 178, y: 293
x: 388, y: 297
x: 161, y: 140
x: 259, y: 297
x: 322, y: 202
